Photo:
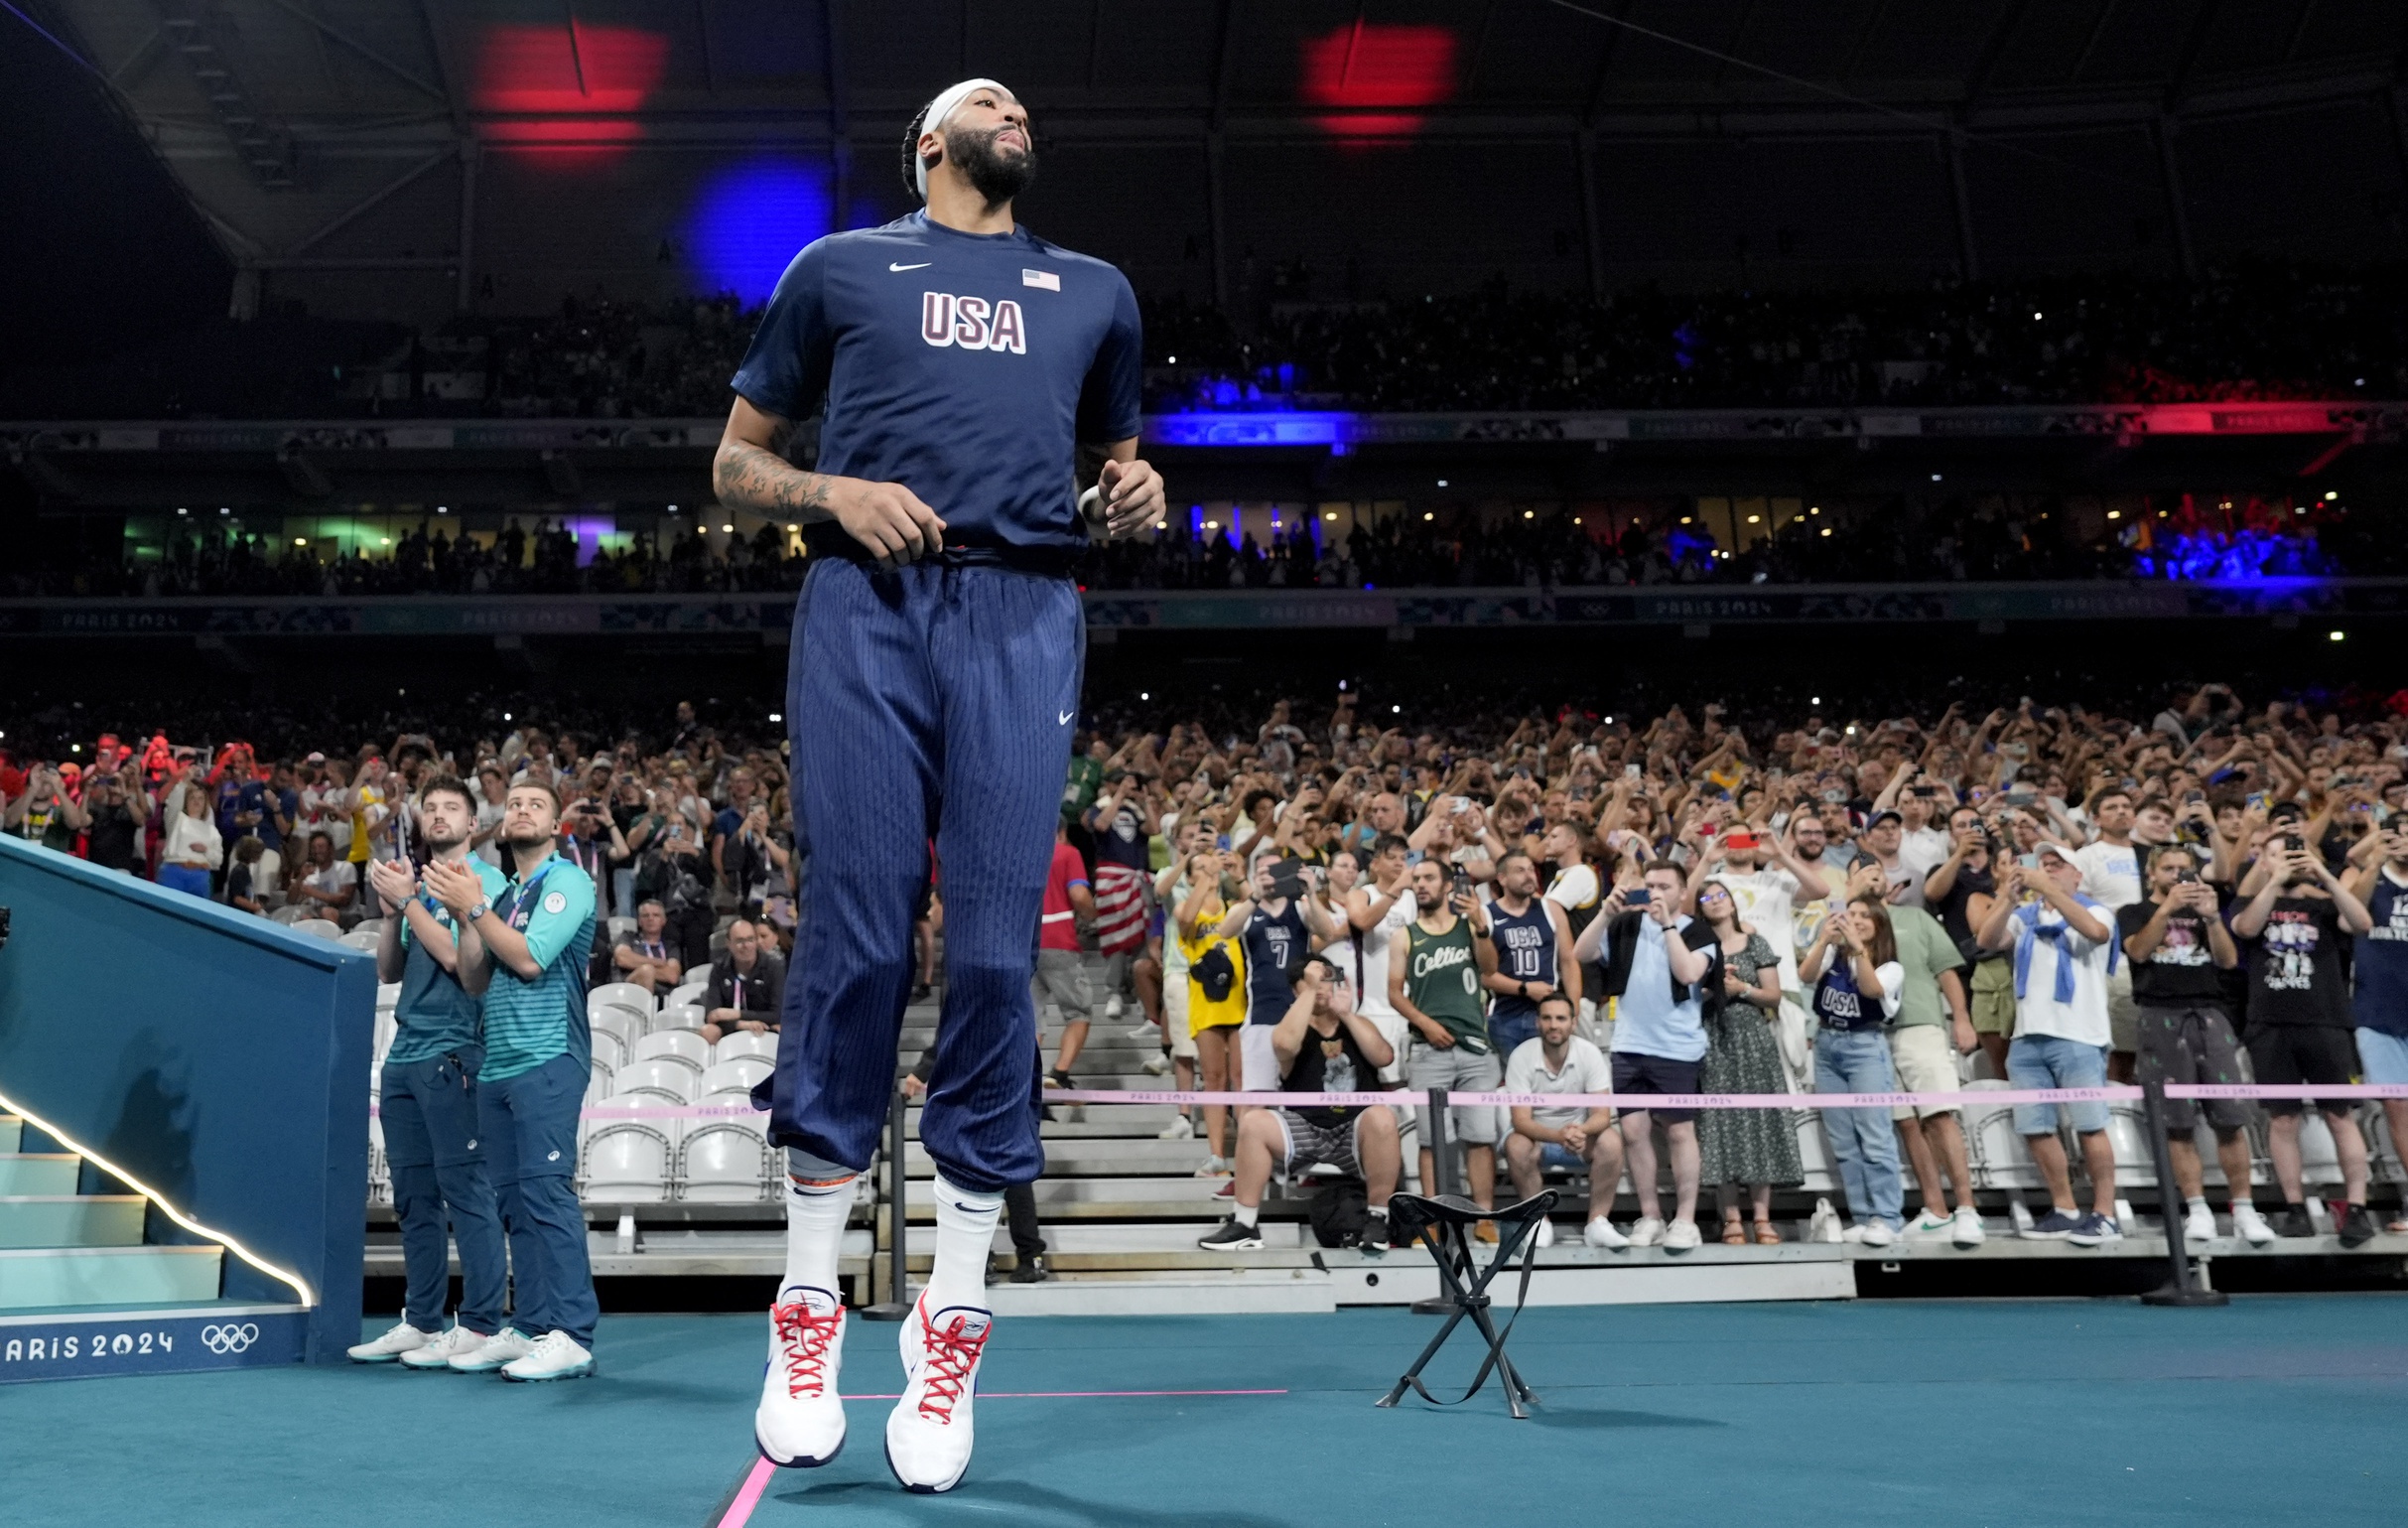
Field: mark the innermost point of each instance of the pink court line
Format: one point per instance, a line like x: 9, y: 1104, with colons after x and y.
x: 1080, y: 1394
x: 748, y: 1495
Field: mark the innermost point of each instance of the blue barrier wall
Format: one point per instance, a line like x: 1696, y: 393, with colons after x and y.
x: 217, y: 1058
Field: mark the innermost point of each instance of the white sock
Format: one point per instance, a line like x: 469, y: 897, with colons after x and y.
x: 1248, y: 1215
x: 2195, y: 1201
x: 964, y: 1234
x: 814, y: 1233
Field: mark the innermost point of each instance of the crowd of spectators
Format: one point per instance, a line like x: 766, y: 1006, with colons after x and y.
x: 2255, y: 331
x: 674, y: 833
x: 1796, y: 898
x: 2052, y: 896
x: 1884, y: 541
x: 2247, y: 332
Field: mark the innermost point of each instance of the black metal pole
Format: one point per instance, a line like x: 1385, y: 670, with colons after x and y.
x: 1442, y: 1167
x: 2179, y: 1290
x: 897, y: 1303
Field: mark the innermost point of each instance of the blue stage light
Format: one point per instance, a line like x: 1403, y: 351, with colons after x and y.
x: 752, y: 218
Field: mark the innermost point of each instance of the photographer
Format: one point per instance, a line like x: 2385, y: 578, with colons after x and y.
x: 116, y: 808
x: 590, y: 841
x: 1959, y: 892
x: 2299, y: 1021
x: 2060, y: 1032
x: 193, y: 846
x: 1660, y: 964
x: 1279, y: 926
x: 49, y: 816
x: 674, y: 872
x: 755, y: 858
x: 1322, y: 1045
x: 2178, y: 944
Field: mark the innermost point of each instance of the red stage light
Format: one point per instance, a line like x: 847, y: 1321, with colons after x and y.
x: 1370, y: 66
x: 569, y: 90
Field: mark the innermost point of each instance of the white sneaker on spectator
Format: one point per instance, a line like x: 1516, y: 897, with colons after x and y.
x: 1930, y: 1223
x: 553, y: 1356
x: 1157, y: 1065
x: 1601, y: 1234
x: 1214, y: 1167
x: 1179, y: 1129
x: 1546, y: 1234
x: 1111, y: 1008
x: 2251, y: 1227
x: 1681, y: 1237
x: 507, y: 1345
x: 1964, y: 1227
x: 438, y: 1354
x: 2199, y: 1224
x: 1870, y: 1234
x: 402, y: 1338
x: 1645, y: 1231
x: 800, y: 1422
x: 1824, y: 1224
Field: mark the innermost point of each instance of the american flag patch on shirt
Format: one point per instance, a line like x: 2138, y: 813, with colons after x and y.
x: 1046, y: 279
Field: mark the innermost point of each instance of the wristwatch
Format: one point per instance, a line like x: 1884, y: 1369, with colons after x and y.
x: 479, y: 910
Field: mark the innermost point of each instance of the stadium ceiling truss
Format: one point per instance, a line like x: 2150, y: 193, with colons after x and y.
x: 286, y: 121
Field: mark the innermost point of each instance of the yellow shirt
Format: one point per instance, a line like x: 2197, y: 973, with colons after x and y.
x: 1202, y: 1012
x: 371, y: 803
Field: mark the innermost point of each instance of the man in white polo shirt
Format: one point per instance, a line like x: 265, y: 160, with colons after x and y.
x: 1572, y: 1138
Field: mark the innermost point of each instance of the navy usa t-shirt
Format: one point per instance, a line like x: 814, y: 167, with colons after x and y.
x: 966, y: 366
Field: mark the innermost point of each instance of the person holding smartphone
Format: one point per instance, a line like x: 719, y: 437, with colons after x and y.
x: 1434, y: 979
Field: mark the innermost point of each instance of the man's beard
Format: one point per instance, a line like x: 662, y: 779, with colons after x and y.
x: 530, y: 841
x: 440, y: 844
x: 997, y: 178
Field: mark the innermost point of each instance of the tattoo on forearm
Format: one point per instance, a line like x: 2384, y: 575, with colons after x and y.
x: 752, y: 478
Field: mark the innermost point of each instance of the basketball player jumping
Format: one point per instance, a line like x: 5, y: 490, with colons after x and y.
x: 973, y: 376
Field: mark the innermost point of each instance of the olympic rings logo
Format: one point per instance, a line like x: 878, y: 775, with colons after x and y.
x: 229, y: 1339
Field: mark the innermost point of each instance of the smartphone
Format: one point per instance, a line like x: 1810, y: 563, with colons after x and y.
x: 1636, y: 896
x: 1630, y: 771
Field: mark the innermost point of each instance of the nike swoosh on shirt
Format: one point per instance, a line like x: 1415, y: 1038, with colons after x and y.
x: 1063, y: 719
x: 923, y: 265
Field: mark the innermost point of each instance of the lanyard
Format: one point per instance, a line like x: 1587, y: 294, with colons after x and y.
x: 522, y: 898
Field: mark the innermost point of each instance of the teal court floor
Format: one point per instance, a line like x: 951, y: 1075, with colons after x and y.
x: 2275, y: 1408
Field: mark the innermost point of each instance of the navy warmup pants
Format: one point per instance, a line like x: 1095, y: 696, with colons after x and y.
x: 529, y: 1126
x: 931, y: 701
x: 438, y: 1172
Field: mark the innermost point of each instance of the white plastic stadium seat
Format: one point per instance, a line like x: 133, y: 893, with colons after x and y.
x: 681, y: 1016
x: 728, y: 1162
x: 319, y: 928
x: 370, y: 926
x: 743, y: 1043
x: 733, y: 1076
x: 2135, y: 1159
x: 684, y: 1046
x: 1814, y: 1153
x: 686, y: 991
x: 621, y: 994
x: 2318, y: 1159
x: 626, y: 1162
x: 388, y: 995
x: 620, y: 928
x: 360, y: 940
x: 623, y: 1028
x: 2000, y: 1158
x: 599, y: 1089
x: 667, y: 1081
x: 2382, y: 1152
x: 609, y: 1050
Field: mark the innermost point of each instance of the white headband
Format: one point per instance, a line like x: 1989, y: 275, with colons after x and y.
x: 941, y: 108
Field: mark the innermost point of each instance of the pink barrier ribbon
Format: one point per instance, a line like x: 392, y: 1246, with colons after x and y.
x: 1628, y: 1101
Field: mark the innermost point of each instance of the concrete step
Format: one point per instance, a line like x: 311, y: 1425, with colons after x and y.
x: 1110, y: 1199
x: 38, y: 1173
x: 70, y: 1220
x: 32, y: 1277
x: 1093, y: 1158
x: 1241, y: 1292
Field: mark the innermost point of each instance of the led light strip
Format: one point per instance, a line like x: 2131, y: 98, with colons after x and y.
x: 300, y: 1285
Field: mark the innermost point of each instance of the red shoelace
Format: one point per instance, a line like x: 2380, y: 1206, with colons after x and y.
x: 805, y: 1338
x: 951, y: 1357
